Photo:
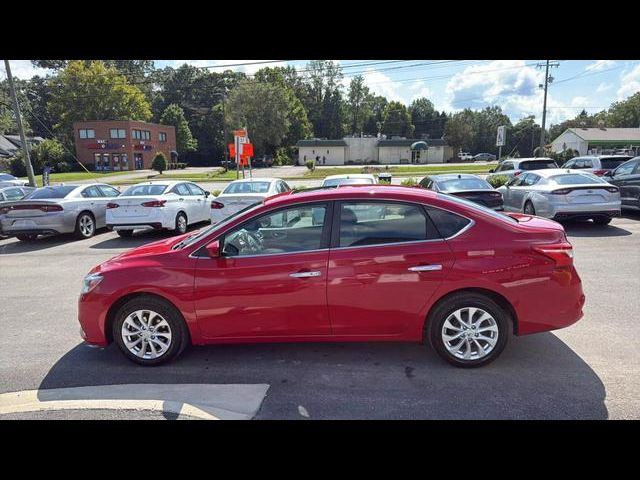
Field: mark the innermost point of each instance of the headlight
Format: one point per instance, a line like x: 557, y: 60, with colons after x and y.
x: 90, y: 282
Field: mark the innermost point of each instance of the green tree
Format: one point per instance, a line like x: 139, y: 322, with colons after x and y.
x: 323, y: 99
x: 459, y: 130
x: 377, y: 105
x: 423, y: 116
x: 93, y: 92
x: 358, y: 104
x: 7, y: 117
x: 49, y: 151
x: 625, y: 114
x: 159, y: 163
x: 397, y: 121
x: 174, y: 115
x: 262, y: 108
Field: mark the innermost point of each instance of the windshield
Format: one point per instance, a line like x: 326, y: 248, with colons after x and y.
x: 611, y: 163
x: 537, y: 165
x: 50, y: 192
x: 332, y: 182
x: 247, y: 187
x: 464, y: 184
x: 475, y: 206
x: 206, y: 231
x: 141, y: 190
x: 6, y: 176
x: 575, y: 179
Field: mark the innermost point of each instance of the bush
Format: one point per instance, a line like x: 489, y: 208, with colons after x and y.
x: 371, y: 170
x: 311, y: 165
x: 182, y: 166
x: 282, y: 157
x: 62, y: 167
x: 17, y: 166
x: 159, y: 163
x: 498, y: 181
x: 297, y: 188
x: 409, y: 182
x: 215, y: 193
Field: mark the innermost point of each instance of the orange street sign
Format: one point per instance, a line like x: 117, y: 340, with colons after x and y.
x: 240, y: 133
x: 247, y: 149
x: 232, y: 150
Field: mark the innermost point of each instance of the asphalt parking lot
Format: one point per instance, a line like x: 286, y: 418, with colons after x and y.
x: 590, y: 370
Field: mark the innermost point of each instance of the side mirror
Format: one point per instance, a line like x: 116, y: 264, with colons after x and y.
x: 213, y: 249
x: 206, y: 194
x: 608, y: 173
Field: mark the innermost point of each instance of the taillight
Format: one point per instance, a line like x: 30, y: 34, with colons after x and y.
x: 496, y: 194
x: 599, y: 172
x: 517, y: 172
x: 112, y: 205
x: 561, y: 253
x: 51, y: 208
x: 217, y: 205
x: 154, y: 203
x: 613, y: 189
x: 561, y: 191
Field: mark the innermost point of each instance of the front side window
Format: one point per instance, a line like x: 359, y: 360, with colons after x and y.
x: 194, y: 189
x: 626, y: 169
x: 288, y: 230
x: 378, y: 223
x: 181, y: 189
x: 505, y: 166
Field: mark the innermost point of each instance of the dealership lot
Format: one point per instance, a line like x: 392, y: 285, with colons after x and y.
x: 590, y: 370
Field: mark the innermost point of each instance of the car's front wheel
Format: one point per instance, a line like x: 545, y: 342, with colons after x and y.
x: 149, y: 331
x: 468, y: 329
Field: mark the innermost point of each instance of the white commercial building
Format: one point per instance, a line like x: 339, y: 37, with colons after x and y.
x: 366, y: 150
x: 595, y: 141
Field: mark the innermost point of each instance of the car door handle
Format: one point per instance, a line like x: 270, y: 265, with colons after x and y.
x: 425, y: 268
x: 305, y: 274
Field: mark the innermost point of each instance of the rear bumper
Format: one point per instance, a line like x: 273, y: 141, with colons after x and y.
x: 45, y: 224
x: 135, y: 226
x: 569, y: 215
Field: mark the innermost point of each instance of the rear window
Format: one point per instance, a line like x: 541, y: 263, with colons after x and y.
x: 476, y: 206
x: 574, y: 179
x: 537, y: 165
x: 142, y: 190
x: 332, y: 182
x: 464, y: 184
x: 50, y: 192
x: 611, y: 163
x: 248, y: 187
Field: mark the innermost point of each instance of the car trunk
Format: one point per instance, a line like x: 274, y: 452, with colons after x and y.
x: 29, y: 209
x: 131, y: 206
x: 237, y: 201
x: 488, y: 198
x: 584, y: 194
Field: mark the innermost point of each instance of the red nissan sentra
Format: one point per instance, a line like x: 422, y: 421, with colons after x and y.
x: 347, y: 264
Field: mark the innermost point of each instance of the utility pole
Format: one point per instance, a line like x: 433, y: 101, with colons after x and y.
x: 23, y: 138
x: 547, y: 80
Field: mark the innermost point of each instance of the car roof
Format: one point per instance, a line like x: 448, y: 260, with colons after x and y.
x: 552, y: 172
x: 527, y: 159
x: 453, y: 176
x: 161, y: 182
x: 350, y: 175
x: 602, y: 156
x: 252, y: 180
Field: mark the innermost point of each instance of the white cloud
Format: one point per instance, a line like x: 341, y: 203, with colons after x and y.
x: 629, y: 83
x: 603, y: 87
x: 599, y: 65
x: 23, y: 69
x: 381, y: 84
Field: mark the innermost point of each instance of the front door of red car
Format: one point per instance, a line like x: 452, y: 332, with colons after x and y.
x: 270, y: 280
x: 386, y: 262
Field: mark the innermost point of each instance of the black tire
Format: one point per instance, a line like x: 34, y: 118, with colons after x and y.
x: 181, y: 227
x: 27, y: 237
x: 602, y: 220
x: 179, y: 331
x: 462, y: 300
x: 529, y: 211
x: 125, y: 233
x: 85, y: 226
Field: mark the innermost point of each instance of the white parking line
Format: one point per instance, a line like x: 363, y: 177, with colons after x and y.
x: 206, y: 402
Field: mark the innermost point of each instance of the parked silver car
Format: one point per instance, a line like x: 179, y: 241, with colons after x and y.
x: 512, y: 167
x: 14, y: 193
x: 7, y: 180
x: 78, y: 209
x: 562, y: 195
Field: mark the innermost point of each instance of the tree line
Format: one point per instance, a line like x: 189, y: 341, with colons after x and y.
x: 278, y: 105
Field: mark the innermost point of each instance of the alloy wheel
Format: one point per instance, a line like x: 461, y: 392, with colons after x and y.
x: 86, y: 226
x: 470, y: 333
x: 146, y: 334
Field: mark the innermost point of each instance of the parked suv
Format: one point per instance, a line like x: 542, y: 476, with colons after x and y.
x: 598, y: 165
x: 627, y: 178
x: 513, y: 167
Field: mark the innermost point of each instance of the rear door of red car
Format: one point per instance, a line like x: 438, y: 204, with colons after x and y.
x: 270, y: 280
x: 386, y: 262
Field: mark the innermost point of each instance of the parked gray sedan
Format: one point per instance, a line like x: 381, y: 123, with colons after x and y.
x: 562, y: 195
x: 78, y: 209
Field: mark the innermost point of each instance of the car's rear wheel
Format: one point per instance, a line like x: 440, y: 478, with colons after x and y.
x: 468, y: 329
x: 85, y: 226
x: 149, y: 331
x: 27, y: 237
x: 602, y: 220
x: 529, y: 208
x: 125, y: 233
x: 181, y: 224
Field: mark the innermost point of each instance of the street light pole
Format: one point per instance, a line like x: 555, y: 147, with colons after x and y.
x: 23, y: 138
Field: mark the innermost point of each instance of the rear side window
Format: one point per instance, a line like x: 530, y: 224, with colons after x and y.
x: 379, y: 223
x: 13, y: 194
x: 50, y: 192
x: 109, y: 191
x: 91, y: 192
x: 448, y: 224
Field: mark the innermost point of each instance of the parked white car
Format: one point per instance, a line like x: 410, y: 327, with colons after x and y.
x: 8, y: 180
x: 352, y: 179
x: 169, y: 205
x: 464, y: 156
x: 240, y: 194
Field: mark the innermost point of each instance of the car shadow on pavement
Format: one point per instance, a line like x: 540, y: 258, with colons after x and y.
x: 537, y: 377
x: 588, y: 229
x: 14, y: 245
x: 142, y: 238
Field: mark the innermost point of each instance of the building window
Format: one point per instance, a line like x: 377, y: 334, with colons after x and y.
x: 87, y: 133
x: 146, y: 135
x: 163, y: 137
x: 124, y: 159
x: 97, y: 160
x: 117, y: 133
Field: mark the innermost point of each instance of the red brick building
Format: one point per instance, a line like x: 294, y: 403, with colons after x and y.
x: 115, y: 145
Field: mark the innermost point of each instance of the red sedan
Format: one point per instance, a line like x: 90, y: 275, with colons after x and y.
x: 348, y: 264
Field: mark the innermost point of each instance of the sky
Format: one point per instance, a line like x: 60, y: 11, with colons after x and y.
x: 456, y: 84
